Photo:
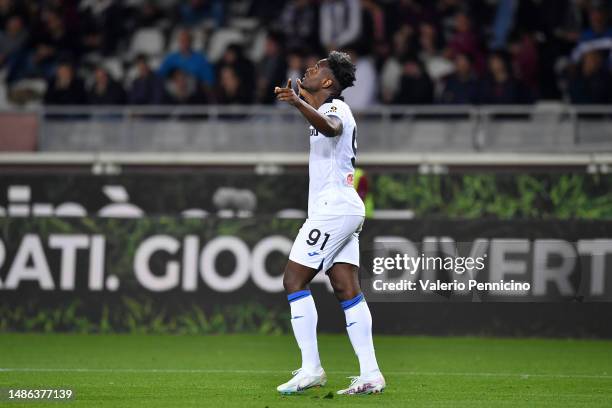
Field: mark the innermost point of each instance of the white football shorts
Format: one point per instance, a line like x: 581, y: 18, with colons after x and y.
x: 325, y: 240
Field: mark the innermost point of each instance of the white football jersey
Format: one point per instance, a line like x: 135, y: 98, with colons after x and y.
x: 332, y: 166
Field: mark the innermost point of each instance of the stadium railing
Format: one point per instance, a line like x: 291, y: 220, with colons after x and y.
x: 430, y: 137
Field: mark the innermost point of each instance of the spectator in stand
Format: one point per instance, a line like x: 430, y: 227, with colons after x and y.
x: 436, y: 64
x: 446, y: 11
x: 430, y: 42
x: 466, y: 41
x: 147, y: 88
x: 65, y: 88
x: 362, y: 94
x: 189, y: 61
x: 461, y: 87
x: 234, y: 58
x: 193, y: 12
x: 10, y: 8
x: 504, y: 20
x: 591, y: 84
x: 230, y: 90
x: 598, y: 21
x: 415, y: 85
x: 526, y: 63
x: 558, y: 22
x: 299, y: 24
x: 68, y: 11
x: 373, y: 26
x: 391, y: 71
x: 105, y: 90
x: 183, y: 89
x: 340, y: 23
x: 12, y: 41
x: 50, y: 41
x: 102, y: 25
x: 31, y: 10
x: 271, y: 70
x: 397, y: 38
x: 410, y: 12
x: 498, y: 87
x: 146, y: 14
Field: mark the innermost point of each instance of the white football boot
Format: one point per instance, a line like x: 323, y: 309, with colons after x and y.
x: 303, y: 380
x: 361, y: 386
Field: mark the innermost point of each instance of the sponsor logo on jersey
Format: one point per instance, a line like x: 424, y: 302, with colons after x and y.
x: 313, y: 253
x: 332, y: 109
x: 350, y: 179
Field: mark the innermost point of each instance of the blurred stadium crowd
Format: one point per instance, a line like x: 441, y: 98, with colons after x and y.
x: 111, y: 52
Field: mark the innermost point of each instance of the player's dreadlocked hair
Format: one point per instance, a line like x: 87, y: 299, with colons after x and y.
x: 343, y: 68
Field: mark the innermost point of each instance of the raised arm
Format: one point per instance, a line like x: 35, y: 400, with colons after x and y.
x: 327, y: 125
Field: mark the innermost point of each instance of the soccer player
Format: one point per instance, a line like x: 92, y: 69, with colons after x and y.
x: 329, y: 238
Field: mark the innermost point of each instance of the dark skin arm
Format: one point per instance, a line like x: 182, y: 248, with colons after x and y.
x: 327, y: 125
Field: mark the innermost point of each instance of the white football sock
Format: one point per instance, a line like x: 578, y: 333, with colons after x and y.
x: 304, y: 322
x: 359, y: 328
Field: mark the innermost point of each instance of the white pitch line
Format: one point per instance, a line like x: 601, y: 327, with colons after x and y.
x: 232, y: 371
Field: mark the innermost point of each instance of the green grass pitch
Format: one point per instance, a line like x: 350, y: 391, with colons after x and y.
x: 243, y: 371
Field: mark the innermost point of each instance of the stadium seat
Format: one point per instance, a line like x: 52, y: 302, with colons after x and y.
x: 244, y: 23
x: 27, y: 91
x: 439, y: 67
x: 149, y: 41
x: 131, y: 71
x: 114, y: 66
x: 257, y: 47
